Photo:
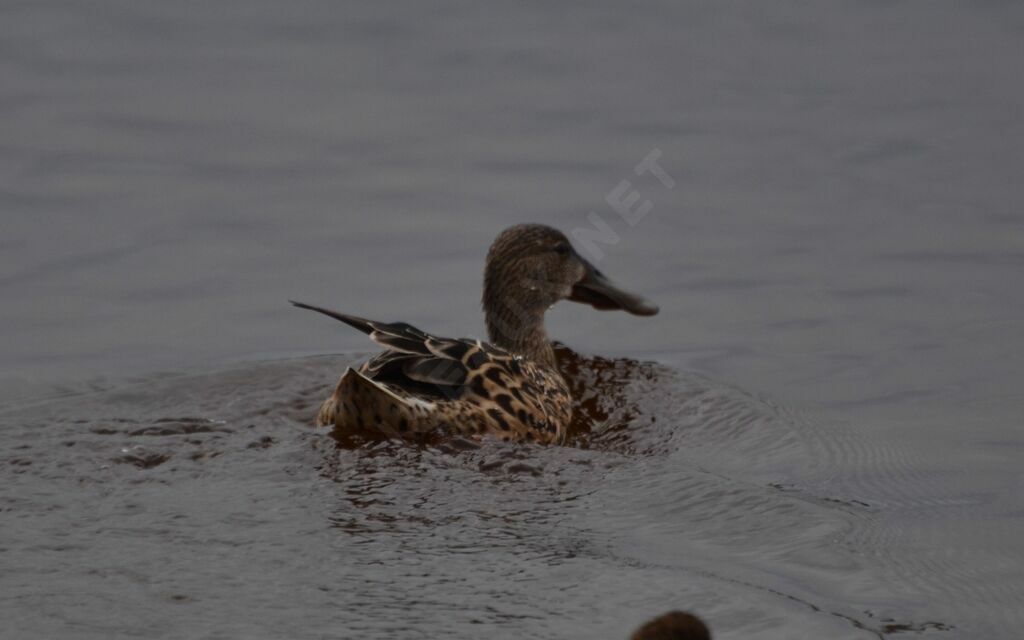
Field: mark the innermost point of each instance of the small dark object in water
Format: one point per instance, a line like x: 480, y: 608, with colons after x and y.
x: 674, y: 625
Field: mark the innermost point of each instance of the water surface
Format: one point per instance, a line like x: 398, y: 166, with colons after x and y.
x: 829, y: 443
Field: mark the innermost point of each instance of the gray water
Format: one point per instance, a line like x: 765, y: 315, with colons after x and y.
x: 819, y: 436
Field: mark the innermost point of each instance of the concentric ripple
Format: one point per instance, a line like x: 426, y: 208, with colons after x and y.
x: 207, y: 505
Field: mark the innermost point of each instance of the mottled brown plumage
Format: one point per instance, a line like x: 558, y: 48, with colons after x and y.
x: 509, y: 388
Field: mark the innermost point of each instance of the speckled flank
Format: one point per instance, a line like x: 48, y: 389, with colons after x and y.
x: 504, y: 396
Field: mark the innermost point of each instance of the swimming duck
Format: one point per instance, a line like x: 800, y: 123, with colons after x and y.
x: 510, y: 387
x: 674, y: 625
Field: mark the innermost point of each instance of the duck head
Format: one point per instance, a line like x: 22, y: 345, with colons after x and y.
x: 529, y: 268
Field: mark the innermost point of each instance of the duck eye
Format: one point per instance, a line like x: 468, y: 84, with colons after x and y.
x: 562, y: 249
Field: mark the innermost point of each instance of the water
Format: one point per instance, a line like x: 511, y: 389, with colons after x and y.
x: 828, y: 446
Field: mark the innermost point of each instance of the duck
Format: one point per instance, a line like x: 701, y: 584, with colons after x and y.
x: 508, y: 387
x: 674, y: 625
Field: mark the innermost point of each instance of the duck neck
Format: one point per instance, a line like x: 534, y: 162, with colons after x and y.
x: 521, y: 331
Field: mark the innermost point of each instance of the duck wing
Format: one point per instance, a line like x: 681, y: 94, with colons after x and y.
x: 416, y: 361
x: 399, y: 336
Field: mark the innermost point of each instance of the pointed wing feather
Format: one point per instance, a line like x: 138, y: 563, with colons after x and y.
x: 416, y: 361
x: 399, y: 336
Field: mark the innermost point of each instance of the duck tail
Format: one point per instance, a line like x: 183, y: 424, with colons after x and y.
x: 360, y: 403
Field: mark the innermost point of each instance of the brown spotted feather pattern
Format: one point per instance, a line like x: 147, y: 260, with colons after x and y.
x: 424, y: 383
